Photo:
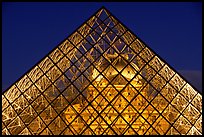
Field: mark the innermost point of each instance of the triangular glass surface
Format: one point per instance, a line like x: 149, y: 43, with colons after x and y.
x: 102, y: 79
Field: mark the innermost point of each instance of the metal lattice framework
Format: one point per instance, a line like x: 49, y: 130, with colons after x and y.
x: 102, y: 79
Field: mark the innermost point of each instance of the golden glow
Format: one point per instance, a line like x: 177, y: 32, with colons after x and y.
x: 109, y: 111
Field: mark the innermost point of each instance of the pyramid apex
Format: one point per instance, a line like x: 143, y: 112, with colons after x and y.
x: 103, y: 7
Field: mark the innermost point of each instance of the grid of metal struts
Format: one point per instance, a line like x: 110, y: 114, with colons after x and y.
x: 102, y: 79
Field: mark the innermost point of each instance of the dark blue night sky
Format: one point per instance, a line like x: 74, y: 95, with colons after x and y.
x: 30, y: 30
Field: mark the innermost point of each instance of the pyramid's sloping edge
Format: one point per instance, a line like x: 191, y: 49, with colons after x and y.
x: 124, y: 26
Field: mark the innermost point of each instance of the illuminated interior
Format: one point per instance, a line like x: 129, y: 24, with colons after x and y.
x: 102, y: 80
x: 118, y: 84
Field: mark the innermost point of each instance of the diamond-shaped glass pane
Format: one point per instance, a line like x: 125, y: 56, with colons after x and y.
x: 166, y: 72
x: 12, y: 94
x: 43, y: 83
x: 17, y: 122
x: 170, y: 113
x: 161, y: 125
x: 24, y: 83
x: 53, y: 73
x: 35, y: 73
x: 56, y: 55
x: 177, y: 82
x: 31, y: 93
x: 191, y: 113
x: 179, y: 102
x: 168, y: 92
x: 197, y: 102
x: 66, y: 47
x: 188, y: 92
x: 146, y: 54
x: 182, y: 125
x: 75, y: 38
x: 28, y: 115
x: 45, y: 65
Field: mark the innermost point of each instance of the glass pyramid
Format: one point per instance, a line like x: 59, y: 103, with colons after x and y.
x: 102, y: 79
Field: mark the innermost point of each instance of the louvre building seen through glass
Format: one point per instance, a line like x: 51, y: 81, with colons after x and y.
x: 102, y: 79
